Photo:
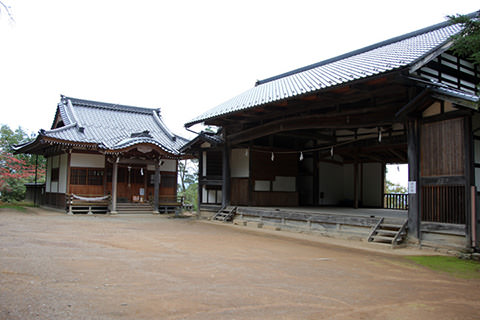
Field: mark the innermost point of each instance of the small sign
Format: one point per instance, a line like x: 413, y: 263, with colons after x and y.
x: 142, y: 191
x: 412, y: 187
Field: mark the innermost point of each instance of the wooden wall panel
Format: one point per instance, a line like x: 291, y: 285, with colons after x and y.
x: 263, y: 168
x: 442, y: 148
x: 85, y: 190
x: 239, y: 189
x: 277, y: 199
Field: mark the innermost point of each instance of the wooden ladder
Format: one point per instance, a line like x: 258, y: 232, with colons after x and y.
x: 392, y: 233
x: 225, y: 214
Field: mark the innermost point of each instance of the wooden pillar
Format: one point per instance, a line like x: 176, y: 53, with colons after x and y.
x: 250, y: 176
x: 316, y: 179
x: 200, y: 185
x: 226, y: 173
x: 355, y: 184
x: 413, y: 140
x: 361, y: 183
x: 114, y: 186
x: 469, y: 181
x: 156, y: 186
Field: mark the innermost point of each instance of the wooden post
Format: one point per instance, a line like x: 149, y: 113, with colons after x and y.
x: 114, y: 186
x: 355, y: 184
x: 156, y: 187
x: 35, y: 189
x: 316, y: 179
x: 469, y: 179
x: 250, y: 176
x: 226, y: 173
x: 413, y: 136
x: 200, y: 186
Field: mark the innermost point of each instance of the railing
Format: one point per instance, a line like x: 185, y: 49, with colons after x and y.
x: 443, y: 203
x: 398, y: 201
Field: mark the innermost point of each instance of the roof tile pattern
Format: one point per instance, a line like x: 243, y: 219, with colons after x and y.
x: 111, y: 126
x: 373, y: 60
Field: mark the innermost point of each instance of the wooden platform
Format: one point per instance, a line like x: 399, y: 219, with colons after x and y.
x: 332, y: 221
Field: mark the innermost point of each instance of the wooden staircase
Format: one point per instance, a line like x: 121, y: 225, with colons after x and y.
x: 389, y: 232
x: 225, y: 214
x: 136, y: 207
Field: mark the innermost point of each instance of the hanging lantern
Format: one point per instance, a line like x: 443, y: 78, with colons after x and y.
x: 331, y: 152
x: 379, y: 135
x: 273, y: 157
x: 301, y: 156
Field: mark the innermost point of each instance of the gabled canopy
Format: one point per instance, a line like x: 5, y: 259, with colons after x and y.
x: 106, y: 127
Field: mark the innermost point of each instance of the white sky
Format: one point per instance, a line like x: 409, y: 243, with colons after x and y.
x: 182, y: 56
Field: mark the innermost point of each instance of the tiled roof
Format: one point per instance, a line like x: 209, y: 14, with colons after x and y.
x: 400, y: 52
x: 212, y: 138
x: 112, y: 126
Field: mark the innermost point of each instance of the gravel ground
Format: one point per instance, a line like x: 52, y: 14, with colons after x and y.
x: 54, y: 266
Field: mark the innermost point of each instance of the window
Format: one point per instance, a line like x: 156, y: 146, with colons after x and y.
x: 86, y: 176
x: 54, y: 176
x: 95, y: 177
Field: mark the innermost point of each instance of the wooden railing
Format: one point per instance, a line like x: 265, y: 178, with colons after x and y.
x: 443, y: 203
x: 398, y: 201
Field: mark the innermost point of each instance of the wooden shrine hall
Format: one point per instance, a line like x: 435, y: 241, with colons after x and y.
x: 103, y: 155
x: 321, y: 135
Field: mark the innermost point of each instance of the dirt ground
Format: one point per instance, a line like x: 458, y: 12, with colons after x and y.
x: 55, y: 266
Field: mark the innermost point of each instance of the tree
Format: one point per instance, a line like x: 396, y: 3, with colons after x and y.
x: 6, y: 9
x: 188, y: 181
x: 467, y: 42
x: 16, y: 170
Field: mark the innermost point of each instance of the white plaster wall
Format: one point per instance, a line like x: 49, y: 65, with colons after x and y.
x: 372, y: 184
x: 211, y: 196
x: 331, y: 179
x: 85, y: 160
x: 62, y: 179
x: 169, y: 165
x: 239, y: 163
x: 204, y: 162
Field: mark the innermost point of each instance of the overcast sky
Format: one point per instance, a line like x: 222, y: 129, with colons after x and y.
x: 182, y: 56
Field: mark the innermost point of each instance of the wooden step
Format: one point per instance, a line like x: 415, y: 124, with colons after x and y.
x: 225, y: 214
x: 388, y: 233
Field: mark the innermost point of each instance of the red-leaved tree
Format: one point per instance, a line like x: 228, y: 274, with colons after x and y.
x: 16, y: 170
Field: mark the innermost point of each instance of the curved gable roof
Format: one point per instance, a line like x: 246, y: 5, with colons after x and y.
x: 111, y: 127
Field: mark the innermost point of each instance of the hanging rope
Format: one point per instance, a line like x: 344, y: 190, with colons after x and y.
x: 92, y: 199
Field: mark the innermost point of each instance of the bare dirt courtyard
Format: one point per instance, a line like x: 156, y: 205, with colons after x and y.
x: 55, y: 266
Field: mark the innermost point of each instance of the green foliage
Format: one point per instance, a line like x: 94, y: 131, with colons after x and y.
x: 391, y: 187
x: 188, y: 181
x: 467, y: 42
x: 16, y: 170
x: 467, y: 269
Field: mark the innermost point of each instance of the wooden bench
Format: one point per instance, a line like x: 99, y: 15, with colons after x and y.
x: 171, y: 204
x: 75, y: 205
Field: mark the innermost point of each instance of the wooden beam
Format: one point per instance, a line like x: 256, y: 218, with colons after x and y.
x: 368, y: 117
